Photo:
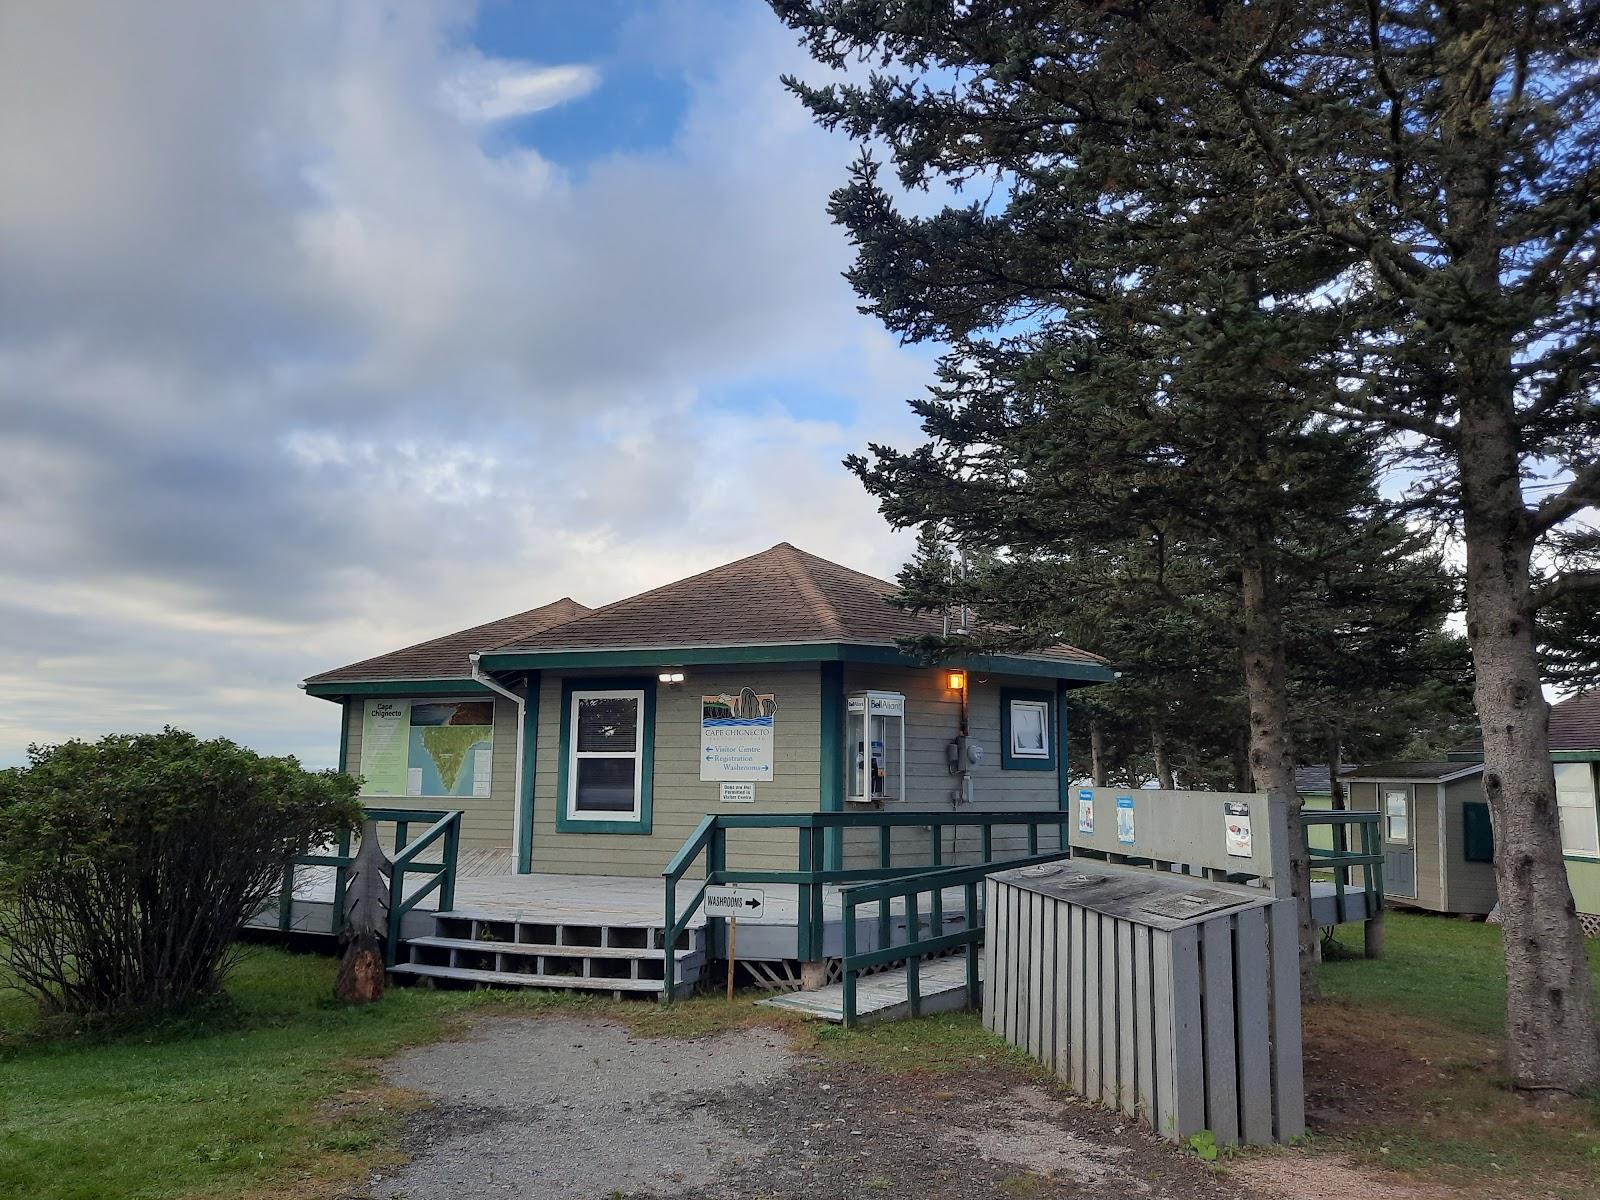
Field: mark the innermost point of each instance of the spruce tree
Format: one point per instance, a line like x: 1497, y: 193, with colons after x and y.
x: 1424, y: 174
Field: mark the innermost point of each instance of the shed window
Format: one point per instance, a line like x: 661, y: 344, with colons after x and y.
x: 607, y: 743
x: 1397, y: 815
x: 1575, y: 801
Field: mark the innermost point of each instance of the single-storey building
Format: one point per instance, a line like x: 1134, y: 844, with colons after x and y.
x: 1575, y: 752
x: 593, y: 741
x: 1438, y: 843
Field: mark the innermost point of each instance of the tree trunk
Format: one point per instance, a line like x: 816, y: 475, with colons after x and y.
x: 1241, y: 762
x: 1335, y: 765
x: 1097, y: 753
x: 1158, y: 747
x: 1551, y: 1041
x: 1271, y: 758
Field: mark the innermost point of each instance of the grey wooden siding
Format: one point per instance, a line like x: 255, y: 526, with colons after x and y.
x: 933, y: 718
x: 1469, y: 886
x: 485, y: 820
x: 680, y: 798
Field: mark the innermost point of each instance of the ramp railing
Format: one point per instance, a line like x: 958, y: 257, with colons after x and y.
x: 708, y: 846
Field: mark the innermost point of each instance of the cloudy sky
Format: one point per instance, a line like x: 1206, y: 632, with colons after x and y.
x: 327, y: 328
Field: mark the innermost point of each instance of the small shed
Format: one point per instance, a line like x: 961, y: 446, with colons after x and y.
x: 1438, y: 842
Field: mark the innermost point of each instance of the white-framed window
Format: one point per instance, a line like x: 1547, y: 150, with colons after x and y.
x: 1030, y: 729
x: 1397, y: 815
x: 604, y: 767
x: 1575, y: 801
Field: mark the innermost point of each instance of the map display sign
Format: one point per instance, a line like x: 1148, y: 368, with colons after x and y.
x: 736, y: 736
x: 427, y: 748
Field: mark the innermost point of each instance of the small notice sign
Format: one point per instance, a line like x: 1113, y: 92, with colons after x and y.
x: 734, y: 792
x: 1125, y: 820
x: 1237, y: 816
x: 1086, y: 810
x: 738, y: 903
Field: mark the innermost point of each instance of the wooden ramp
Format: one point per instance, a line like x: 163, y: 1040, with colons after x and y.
x: 883, y: 997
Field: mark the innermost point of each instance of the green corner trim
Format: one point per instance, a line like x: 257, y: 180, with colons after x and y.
x: 1063, y: 773
x: 830, y: 759
x: 343, y: 766
x: 396, y: 687
x: 530, y: 762
x: 1048, y: 699
x: 647, y: 755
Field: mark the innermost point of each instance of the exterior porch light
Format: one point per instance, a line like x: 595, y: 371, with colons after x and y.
x: 671, y: 677
x: 956, y: 681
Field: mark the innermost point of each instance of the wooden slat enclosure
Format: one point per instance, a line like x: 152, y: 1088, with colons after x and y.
x: 1184, y: 1025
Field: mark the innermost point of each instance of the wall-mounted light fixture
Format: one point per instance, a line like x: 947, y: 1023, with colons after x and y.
x: 670, y: 677
x: 956, y: 681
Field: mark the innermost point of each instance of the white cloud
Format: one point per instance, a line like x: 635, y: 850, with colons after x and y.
x: 296, y: 366
x: 496, y: 89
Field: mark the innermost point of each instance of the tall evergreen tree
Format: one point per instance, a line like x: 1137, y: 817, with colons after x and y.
x: 1439, y: 160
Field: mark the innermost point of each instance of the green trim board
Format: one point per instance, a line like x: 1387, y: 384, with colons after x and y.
x: 1575, y: 756
x: 343, y: 766
x: 1008, y: 761
x: 647, y: 755
x: 1063, y: 774
x: 396, y: 687
x: 830, y: 758
x: 514, y: 660
x: 530, y: 762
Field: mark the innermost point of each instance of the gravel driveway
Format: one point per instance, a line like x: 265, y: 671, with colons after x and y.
x: 558, y: 1109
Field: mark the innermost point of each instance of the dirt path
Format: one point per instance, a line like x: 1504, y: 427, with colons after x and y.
x: 558, y: 1109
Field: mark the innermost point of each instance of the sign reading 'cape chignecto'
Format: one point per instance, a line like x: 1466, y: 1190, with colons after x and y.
x: 736, y: 736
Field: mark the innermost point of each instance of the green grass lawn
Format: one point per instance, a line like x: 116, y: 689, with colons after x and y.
x: 1437, y: 967
x: 224, y: 1103
x: 277, y: 1095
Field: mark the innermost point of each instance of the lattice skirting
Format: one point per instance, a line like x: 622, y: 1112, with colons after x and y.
x: 1589, y: 921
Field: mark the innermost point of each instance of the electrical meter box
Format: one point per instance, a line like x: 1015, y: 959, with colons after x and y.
x: 875, y: 733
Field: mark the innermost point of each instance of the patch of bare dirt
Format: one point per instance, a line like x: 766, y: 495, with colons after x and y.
x: 1328, y: 1177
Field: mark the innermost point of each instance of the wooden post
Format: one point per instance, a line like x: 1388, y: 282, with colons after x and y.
x: 1372, y: 935
x: 733, y: 953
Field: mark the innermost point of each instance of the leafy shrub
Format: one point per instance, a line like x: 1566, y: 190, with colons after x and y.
x: 129, y: 865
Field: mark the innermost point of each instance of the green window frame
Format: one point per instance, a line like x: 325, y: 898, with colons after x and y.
x: 1013, y: 758
x: 640, y: 822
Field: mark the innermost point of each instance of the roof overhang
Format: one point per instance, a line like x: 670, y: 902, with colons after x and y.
x: 335, y: 690
x: 884, y: 654
x: 1449, y: 777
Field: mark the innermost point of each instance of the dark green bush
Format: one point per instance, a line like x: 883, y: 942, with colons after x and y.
x: 128, y: 865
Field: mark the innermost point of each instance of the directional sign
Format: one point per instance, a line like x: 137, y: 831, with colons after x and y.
x: 742, y: 904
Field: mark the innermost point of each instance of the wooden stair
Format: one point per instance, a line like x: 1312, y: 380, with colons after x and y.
x: 482, y: 950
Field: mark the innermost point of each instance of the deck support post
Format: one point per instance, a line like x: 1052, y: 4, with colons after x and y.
x: 1372, y: 936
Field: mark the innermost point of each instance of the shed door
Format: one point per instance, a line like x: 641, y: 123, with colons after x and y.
x: 1399, y: 846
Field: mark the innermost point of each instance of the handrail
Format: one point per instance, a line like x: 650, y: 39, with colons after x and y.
x: 811, y: 874
x: 1342, y: 858
x: 915, y: 948
x: 443, y: 823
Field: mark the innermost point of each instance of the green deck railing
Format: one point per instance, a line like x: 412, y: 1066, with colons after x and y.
x: 912, y: 951
x: 811, y: 875
x: 442, y: 824
x: 1343, y: 858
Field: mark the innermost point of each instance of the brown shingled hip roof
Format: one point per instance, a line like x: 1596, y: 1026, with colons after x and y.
x: 779, y: 596
x: 450, y: 656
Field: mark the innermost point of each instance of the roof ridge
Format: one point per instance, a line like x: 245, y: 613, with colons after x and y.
x: 559, y: 624
x: 795, y: 568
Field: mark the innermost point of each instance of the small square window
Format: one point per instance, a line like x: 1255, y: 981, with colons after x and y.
x: 1027, y: 730
x: 1030, y: 732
